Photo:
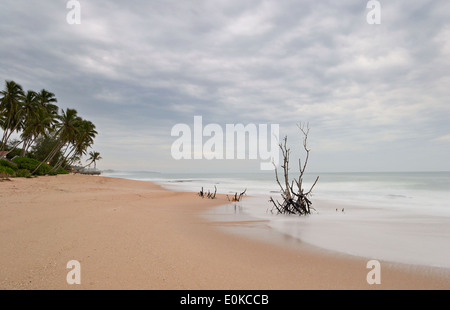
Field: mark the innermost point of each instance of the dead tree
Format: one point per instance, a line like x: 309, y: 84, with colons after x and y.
x: 236, y: 197
x: 295, y: 198
x: 209, y: 194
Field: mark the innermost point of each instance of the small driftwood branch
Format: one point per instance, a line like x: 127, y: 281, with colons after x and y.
x: 209, y: 194
x: 236, y: 197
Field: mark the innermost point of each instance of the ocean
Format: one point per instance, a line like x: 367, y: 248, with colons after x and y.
x: 400, y: 217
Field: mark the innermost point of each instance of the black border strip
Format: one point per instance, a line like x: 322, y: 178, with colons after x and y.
x: 156, y: 299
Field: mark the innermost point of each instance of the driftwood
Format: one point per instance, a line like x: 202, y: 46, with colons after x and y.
x: 295, y: 198
x: 209, y: 194
x: 236, y: 197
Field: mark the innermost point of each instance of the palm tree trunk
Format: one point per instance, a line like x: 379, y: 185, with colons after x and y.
x: 56, y: 150
x: 9, y: 134
x: 88, y: 164
x: 5, y: 134
x: 30, y: 144
x: 50, y: 156
x: 15, y: 146
x: 64, y: 158
x: 24, y: 147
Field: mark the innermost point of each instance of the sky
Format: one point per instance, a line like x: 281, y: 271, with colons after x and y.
x: 376, y: 96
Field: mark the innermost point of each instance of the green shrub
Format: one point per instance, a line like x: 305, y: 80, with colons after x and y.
x: 62, y: 171
x: 31, y: 164
x: 6, y: 170
x: 43, y: 146
x: 6, y: 163
x: 23, y: 173
x: 26, y: 163
x: 43, y: 169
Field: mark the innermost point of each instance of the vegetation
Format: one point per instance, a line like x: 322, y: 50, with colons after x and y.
x: 50, y: 140
x: 94, y: 156
x: 23, y: 173
x: 8, y: 164
x: 32, y: 165
x: 42, y: 147
x: 6, y: 170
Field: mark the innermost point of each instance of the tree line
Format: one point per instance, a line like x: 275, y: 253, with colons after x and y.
x: 56, y: 138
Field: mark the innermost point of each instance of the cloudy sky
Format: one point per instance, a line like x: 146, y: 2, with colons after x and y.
x: 376, y: 97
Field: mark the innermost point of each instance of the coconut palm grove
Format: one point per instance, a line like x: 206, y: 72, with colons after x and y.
x: 40, y: 139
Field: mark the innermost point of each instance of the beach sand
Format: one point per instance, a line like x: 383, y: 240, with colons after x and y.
x: 136, y: 235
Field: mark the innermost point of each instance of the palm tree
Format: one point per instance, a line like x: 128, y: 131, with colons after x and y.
x: 47, y: 99
x: 83, y: 140
x: 11, y: 111
x: 67, y: 129
x: 35, y: 114
x: 40, y: 124
x: 29, y: 109
x: 94, y: 156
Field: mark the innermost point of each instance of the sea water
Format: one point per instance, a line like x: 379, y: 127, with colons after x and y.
x: 399, y: 217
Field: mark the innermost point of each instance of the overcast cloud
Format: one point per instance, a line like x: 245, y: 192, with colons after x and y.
x: 376, y: 96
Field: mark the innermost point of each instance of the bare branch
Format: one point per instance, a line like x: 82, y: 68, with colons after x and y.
x: 294, y: 201
x: 310, y: 190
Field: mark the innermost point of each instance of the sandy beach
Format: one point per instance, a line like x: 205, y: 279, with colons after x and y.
x: 137, y: 235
